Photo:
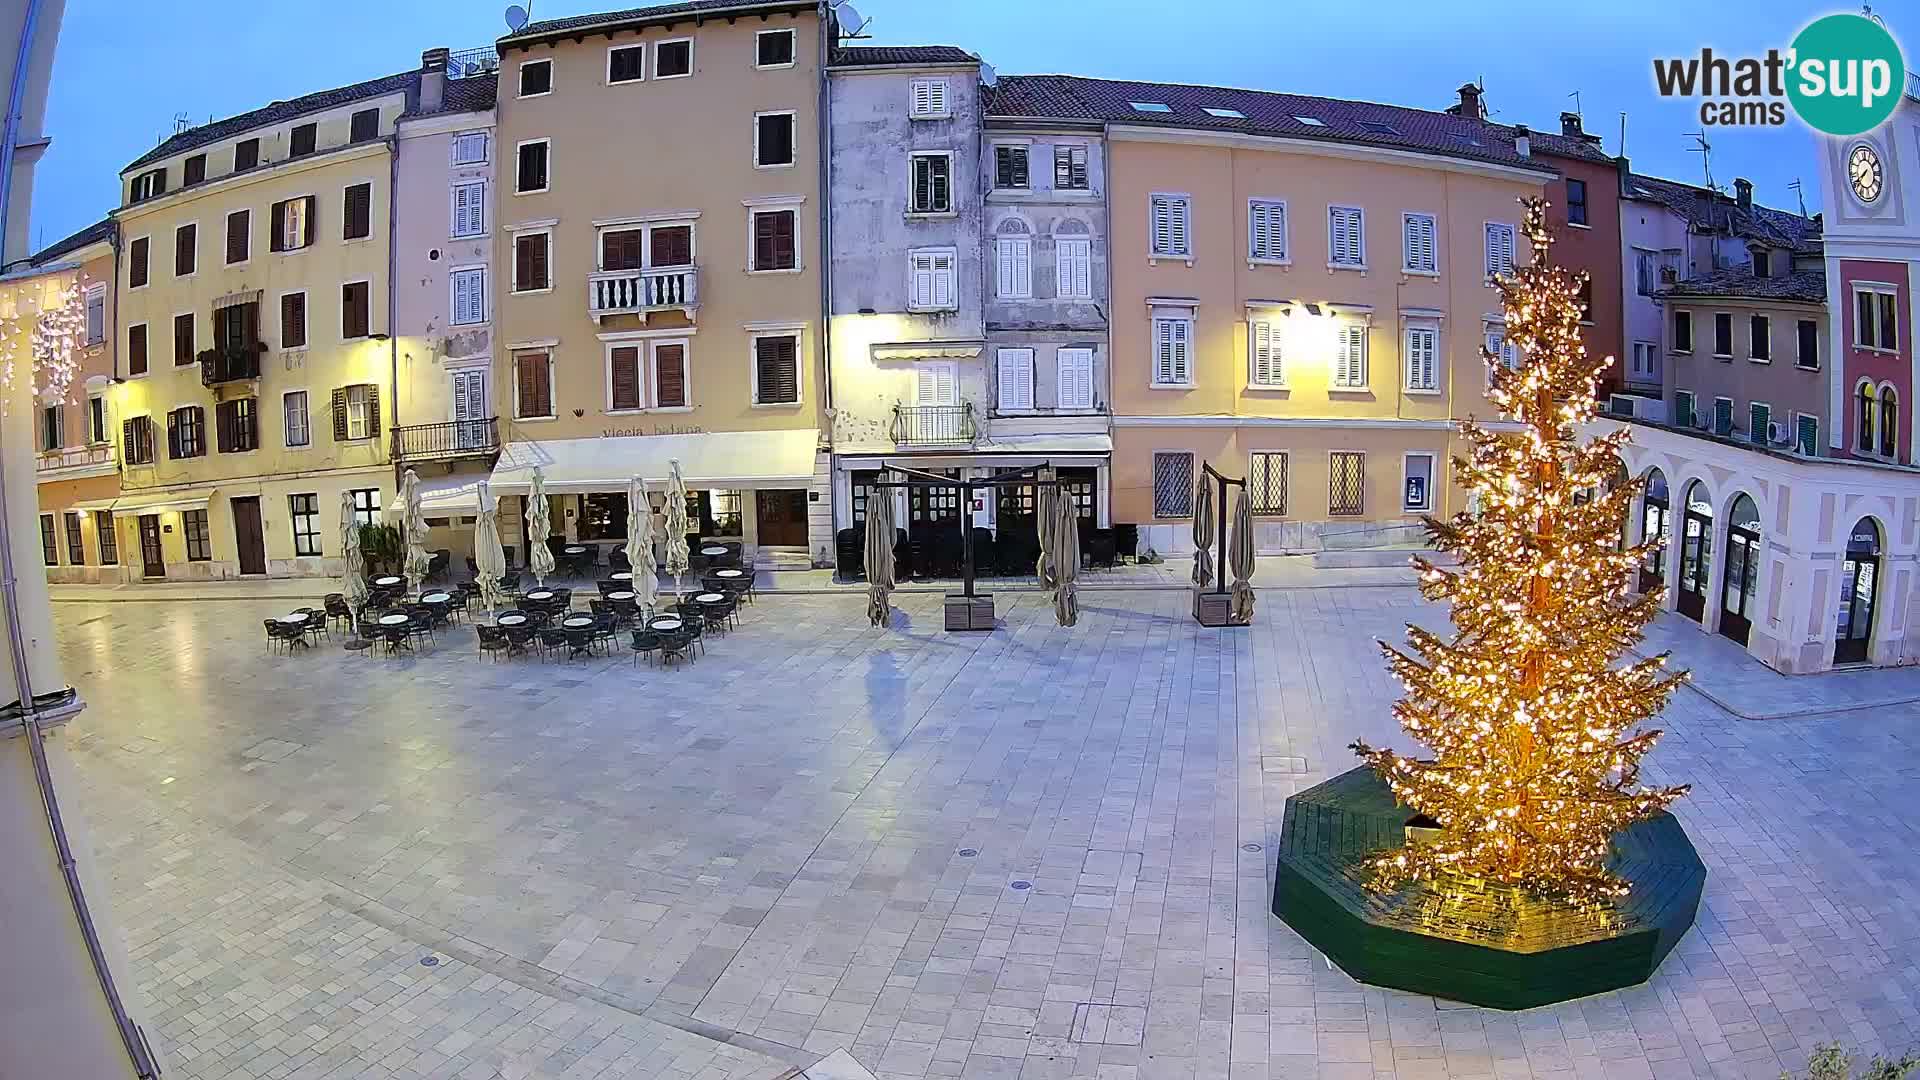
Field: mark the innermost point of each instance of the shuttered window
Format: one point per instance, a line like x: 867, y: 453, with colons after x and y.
x: 1013, y: 262
x: 364, y: 126
x: 137, y: 349
x: 1806, y: 434
x: 773, y: 139
x: 305, y: 140
x: 1350, y: 356
x: 239, y: 229
x: 293, y: 224
x: 1346, y: 236
x: 1014, y: 369
x: 1073, y: 268
x: 1499, y: 249
x: 357, y: 209
x: 1171, y: 226
x: 936, y: 382
x: 293, y: 418
x: 137, y: 262
x: 670, y: 376
x: 623, y: 249
x: 929, y: 100
x: 1070, y: 168
x: 776, y: 370
x: 136, y: 440
x: 533, y: 383
x: 773, y: 240
x: 183, y: 340
x: 293, y: 320
x: 246, y: 154
x: 671, y: 245
x: 356, y: 412
x: 1420, y: 244
x: 1422, y: 349
x: 623, y: 377
x: 931, y: 279
x: 470, y: 208
x: 1267, y: 482
x: 469, y: 295
x: 1076, y: 378
x: 1010, y: 167
x: 354, y: 313
x: 1172, y: 352
x: 193, y: 170
x: 1501, y: 349
x: 932, y: 184
x: 470, y: 148
x: 530, y: 262
x: 1263, y: 354
x: 187, y: 432
x: 530, y: 171
x: 1266, y: 230
x: 237, y: 425
x: 186, y: 245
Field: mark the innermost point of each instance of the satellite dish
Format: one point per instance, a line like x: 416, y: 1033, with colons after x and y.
x: 516, y: 18
x: 987, y: 76
x: 850, y: 21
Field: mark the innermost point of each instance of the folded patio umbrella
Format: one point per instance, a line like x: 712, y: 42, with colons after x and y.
x: 646, y: 583
x: 1202, y: 532
x: 489, y: 559
x: 1043, y: 515
x: 1066, y: 560
x: 676, y: 523
x: 354, y: 578
x: 879, y: 557
x: 1240, y: 557
x: 413, y: 525
x: 539, y: 525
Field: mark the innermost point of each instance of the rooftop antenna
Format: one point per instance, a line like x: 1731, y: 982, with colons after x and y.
x: 517, y: 16
x: 1622, y: 152
x: 1799, y: 191
x: 1705, y: 150
x: 1576, y: 106
x: 181, y: 123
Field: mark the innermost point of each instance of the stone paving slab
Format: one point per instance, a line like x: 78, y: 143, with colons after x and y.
x: 1729, y: 676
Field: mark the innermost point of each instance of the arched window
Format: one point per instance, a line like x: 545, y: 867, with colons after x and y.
x: 1889, y: 421
x: 1864, y: 440
x: 1014, y: 226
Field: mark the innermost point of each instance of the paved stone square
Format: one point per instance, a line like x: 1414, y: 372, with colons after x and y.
x: 1038, y: 853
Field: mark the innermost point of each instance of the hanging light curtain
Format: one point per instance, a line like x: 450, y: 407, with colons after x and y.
x: 1045, y: 497
x: 640, y: 543
x: 1240, y: 558
x: 676, y: 524
x: 879, y: 556
x: 414, y: 526
x: 354, y: 577
x: 1066, y: 544
x: 1202, y: 532
x: 489, y: 558
x: 539, y: 525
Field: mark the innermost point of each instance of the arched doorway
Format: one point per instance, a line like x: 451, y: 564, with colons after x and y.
x: 1654, y: 523
x: 1696, y: 552
x: 1743, y: 569
x: 1859, y: 589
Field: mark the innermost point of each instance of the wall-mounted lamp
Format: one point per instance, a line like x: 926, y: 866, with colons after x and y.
x: 1313, y: 309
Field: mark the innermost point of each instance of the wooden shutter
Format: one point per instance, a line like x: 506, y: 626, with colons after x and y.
x: 353, y: 310
x: 238, y: 224
x: 943, y: 281
x: 373, y: 410
x: 1345, y: 235
x: 129, y: 449
x: 340, y: 415
x: 137, y: 263
x: 1076, y: 378
x: 173, y: 433
x: 670, y: 376
x: 777, y: 370
x: 469, y: 296
x: 185, y: 242
x: 277, y: 228
x: 929, y: 97
x: 293, y: 321
x: 223, y: 423
x: 672, y: 245
x: 773, y: 236
x: 137, y: 349
x: 530, y: 262
x: 310, y: 213
x: 623, y: 249
x: 358, y: 212
x: 1263, y: 340
x: 624, y: 376
x: 1422, y: 363
x: 1015, y: 374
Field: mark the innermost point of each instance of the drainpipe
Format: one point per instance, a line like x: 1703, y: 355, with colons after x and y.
x: 393, y: 286
x: 825, y: 111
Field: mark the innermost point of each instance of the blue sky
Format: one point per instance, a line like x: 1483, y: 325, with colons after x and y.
x: 124, y: 70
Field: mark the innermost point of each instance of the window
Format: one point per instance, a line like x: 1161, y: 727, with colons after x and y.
x: 103, y: 530
x: 293, y: 415
x: 49, y: 547
x: 1683, y: 408
x: 670, y: 245
x: 354, y: 313
x: 137, y: 263
x: 936, y: 382
x: 1576, y: 201
x: 185, y: 249
x: 470, y: 209
x: 53, y: 427
x: 1013, y: 373
x: 530, y: 262
x: 1759, y: 416
x: 470, y: 148
x: 187, y: 432
x: 96, y: 419
x: 776, y: 369
x: 246, y: 154
x: 1808, y: 339
x: 1266, y: 230
x: 673, y: 59
x: 183, y: 351
x: 304, y: 511
x: 1876, y: 324
x: 193, y: 170
x: 1010, y: 166
x: 1171, y: 222
x: 1585, y: 300
x: 365, y: 126
x: 1418, y: 495
x: 1073, y: 268
x: 199, y: 545
x: 1350, y: 356
x: 670, y: 375
x: 1150, y: 106
x: 1224, y: 113
x: 1645, y: 273
x: 1760, y: 338
x: 137, y: 349
x: 148, y: 185
x: 626, y: 64
x: 1346, y: 483
x: 536, y: 78
x: 1172, y: 352
x: 1172, y: 484
x: 293, y: 320
x: 1499, y: 249
x: 1723, y: 416
x: 239, y: 228
x: 1423, y: 358
x: 1762, y: 263
x: 357, y: 210
x: 366, y: 506
x: 1683, y: 331
x: 623, y: 378
x: 237, y: 426
x: 136, y: 440
x: 774, y: 240
x: 530, y: 172
x: 773, y: 48
x: 1267, y: 482
x: 1644, y: 367
x: 96, y: 314
x: 772, y: 140
x: 929, y: 101
x: 356, y: 412
x: 293, y: 224
x: 931, y: 280
x: 1076, y: 377
x: 1070, y: 168
x: 1419, y: 244
x: 1264, y: 367
x: 1722, y: 334
x: 304, y: 140
x: 1346, y: 236
x: 1866, y: 417
x: 469, y: 296
x: 1806, y: 434
x: 623, y: 249
x: 1013, y: 267
x: 932, y: 184
x: 533, y: 385
x: 76, y: 545
x: 1889, y: 421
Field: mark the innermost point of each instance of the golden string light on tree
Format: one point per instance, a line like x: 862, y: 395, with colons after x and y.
x: 1532, y: 726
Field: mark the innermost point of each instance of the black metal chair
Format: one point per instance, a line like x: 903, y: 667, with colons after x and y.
x: 519, y: 637
x: 673, y: 643
x: 617, y: 559
x: 647, y: 643
x: 398, y: 636
x: 493, y: 640
x: 338, y: 610
x: 551, y: 641
x: 275, y: 636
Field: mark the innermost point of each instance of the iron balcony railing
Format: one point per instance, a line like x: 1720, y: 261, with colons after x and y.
x: 629, y: 292
x: 934, y: 425
x: 455, y: 438
x: 230, y: 363
x: 468, y: 63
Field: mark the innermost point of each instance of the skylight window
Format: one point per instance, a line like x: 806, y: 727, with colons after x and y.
x: 1467, y: 137
x: 1150, y: 106
x: 1311, y: 121
x: 1226, y: 113
x: 1377, y: 129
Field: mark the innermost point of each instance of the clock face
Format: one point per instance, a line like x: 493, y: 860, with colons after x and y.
x: 1863, y: 172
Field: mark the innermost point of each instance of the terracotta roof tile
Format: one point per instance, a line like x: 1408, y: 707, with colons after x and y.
x: 279, y: 112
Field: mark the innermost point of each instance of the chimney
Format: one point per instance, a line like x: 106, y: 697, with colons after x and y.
x: 1570, y: 125
x: 433, y: 79
x: 1522, y: 141
x: 1743, y: 192
x: 1470, y: 106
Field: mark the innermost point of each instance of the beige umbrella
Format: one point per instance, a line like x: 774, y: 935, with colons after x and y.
x: 539, y: 525
x: 676, y: 524
x: 354, y: 582
x: 413, y: 525
x: 489, y: 558
x: 1240, y: 557
x: 640, y: 543
x: 1043, y: 506
x: 1202, y: 532
x: 1066, y: 547
x: 879, y: 556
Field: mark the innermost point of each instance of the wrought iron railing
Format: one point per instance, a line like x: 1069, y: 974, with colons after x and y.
x: 626, y: 292
x: 933, y: 425
x: 230, y: 363
x: 467, y: 63
x: 455, y: 438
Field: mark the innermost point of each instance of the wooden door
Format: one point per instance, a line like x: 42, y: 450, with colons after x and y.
x: 249, y: 541
x: 151, y: 562
x: 781, y: 517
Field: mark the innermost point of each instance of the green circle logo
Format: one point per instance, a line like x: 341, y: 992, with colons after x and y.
x: 1847, y: 74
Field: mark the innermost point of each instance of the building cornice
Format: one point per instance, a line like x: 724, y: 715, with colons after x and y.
x: 1362, y: 423
x: 446, y: 123
x: 1372, y: 154
x: 339, y: 155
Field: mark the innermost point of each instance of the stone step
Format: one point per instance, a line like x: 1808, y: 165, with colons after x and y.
x: 782, y: 559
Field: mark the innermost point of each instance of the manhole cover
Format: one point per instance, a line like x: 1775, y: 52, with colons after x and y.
x: 1249, y: 848
x: 429, y: 961
x: 1021, y: 886
x: 968, y: 853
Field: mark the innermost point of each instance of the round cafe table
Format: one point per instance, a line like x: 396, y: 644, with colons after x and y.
x: 540, y: 594
x: 293, y: 618
x: 512, y: 620
x: 575, y: 549
x: 713, y: 551
x: 665, y: 622
x: 577, y: 622
x: 620, y: 575
x: 436, y: 598
x: 395, y: 619
x: 730, y: 574
x: 708, y: 598
x: 620, y: 594
x: 387, y: 582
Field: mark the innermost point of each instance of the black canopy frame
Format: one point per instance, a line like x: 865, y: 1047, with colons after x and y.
x: 918, y: 478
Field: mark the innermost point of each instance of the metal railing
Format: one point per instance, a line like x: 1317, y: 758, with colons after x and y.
x: 230, y: 363
x: 74, y: 457
x: 628, y: 292
x: 933, y: 425
x: 455, y: 438
x: 467, y: 63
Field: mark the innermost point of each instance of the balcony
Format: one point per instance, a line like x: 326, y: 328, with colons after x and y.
x: 231, y: 363
x: 934, y: 425
x: 458, y: 438
x: 75, y: 462
x: 637, y: 292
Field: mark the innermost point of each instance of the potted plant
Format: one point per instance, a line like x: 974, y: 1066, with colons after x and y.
x: 383, y: 547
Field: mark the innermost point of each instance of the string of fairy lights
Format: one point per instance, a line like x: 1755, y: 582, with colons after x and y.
x: 1533, y: 729
x: 58, y: 332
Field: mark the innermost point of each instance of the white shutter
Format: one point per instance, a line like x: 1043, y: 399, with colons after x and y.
x: 1182, y: 244
x: 1422, y: 362
x: 920, y: 275
x: 1263, y: 341
x: 1014, y: 276
x: 1076, y: 378
x: 1499, y: 250
x: 1015, y: 368
x: 1350, y: 366
x: 1345, y: 240
x: 943, y: 282
x: 1172, y: 351
x: 470, y: 209
x: 1266, y: 230
x: 947, y: 379
x: 1163, y: 350
x: 470, y: 148
x: 1073, y: 269
x: 1162, y: 225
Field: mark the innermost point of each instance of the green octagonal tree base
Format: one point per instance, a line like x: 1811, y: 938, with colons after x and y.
x: 1474, y: 941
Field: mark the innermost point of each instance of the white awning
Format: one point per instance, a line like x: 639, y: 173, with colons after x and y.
x: 1044, y: 444
x: 151, y: 503
x: 445, y: 496
x: 720, y: 459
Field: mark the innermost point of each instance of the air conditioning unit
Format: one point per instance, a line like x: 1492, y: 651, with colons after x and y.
x: 1620, y: 405
x: 1703, y: 421
x: 1777, y: 433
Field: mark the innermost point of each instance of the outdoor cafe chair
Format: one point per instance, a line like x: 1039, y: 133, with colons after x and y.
x: 552, y: 640
x: 579, y: 641
x: 493, y: 639
x: 338, y: 609
x: 647, y: 643
x: 673, y: 643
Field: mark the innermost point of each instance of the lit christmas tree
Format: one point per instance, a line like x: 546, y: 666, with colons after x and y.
x: 1536, y: 756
